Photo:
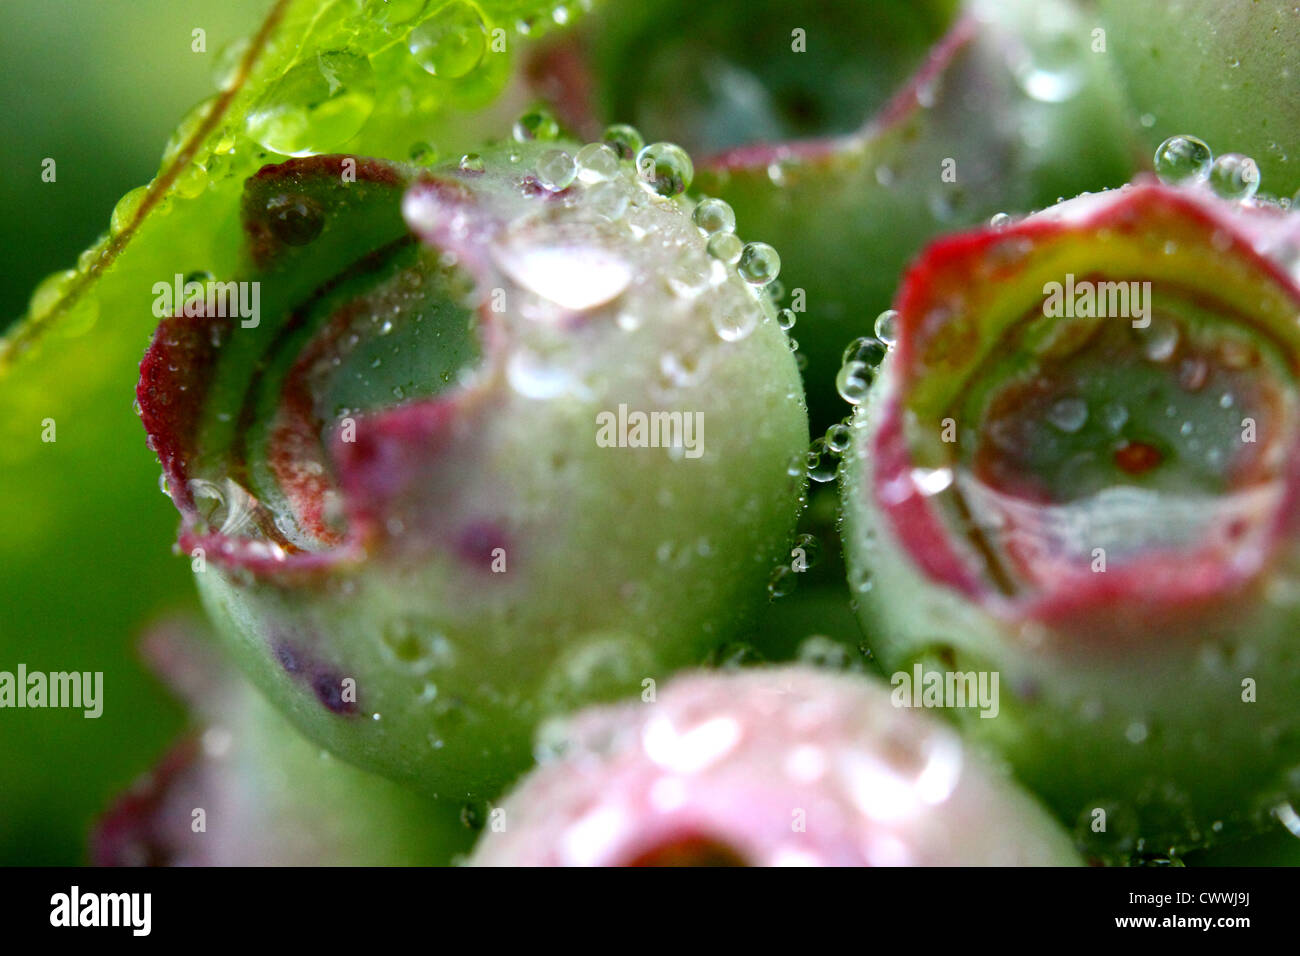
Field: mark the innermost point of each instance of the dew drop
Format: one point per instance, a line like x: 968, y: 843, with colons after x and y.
x: 666, y: 168
x: 819, y: 650
x: 1234, y: 176
x: 864, y: 349
x: 734, y: 324
x: 1115, y: 416
x: 821, y: 462
x: 759, y: 263
x: 838, y: 437
x: 886, y: 327
x: 1068, y: 414
x: 854, y: 381
x: 625, y: 140
x: 782, y: 582
x: 714, y: 215
x: 1159, y: 340
x: 451, y: 43
x: 319, y: 104
x: 533, y: 377
x: 51, y: 289
x: 689, y: 275
x: 556, y: 169
x: 295, y: 219
x: 725, y: 247
x: 597, y: 162
x: 394, y: 12
x: 608, y: 200
x: 127, y: 208
x: 1050, y: 69
x: 1182, y: 159
x: 471, y: 163
x: 536, y: 125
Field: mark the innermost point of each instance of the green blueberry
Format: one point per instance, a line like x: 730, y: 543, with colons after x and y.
x: 502, y: 439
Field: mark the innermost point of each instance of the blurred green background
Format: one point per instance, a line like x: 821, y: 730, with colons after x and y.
x: 97, y: 85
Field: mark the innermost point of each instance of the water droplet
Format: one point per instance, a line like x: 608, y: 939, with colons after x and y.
x: 1068, y: 414
x: 597, y: 162
x: 786, y: 319
x: 471, y: 163
x: 1182, y: 159
x: 51, y: 289
x: 533, y: 377
x: 191, y: 180
x: 422, y: 154
x: 759, y: 263
x: 854, y: 381
x: 127, y: 208
x: 415, y: 645
x: 1050, y: 69
x: 1234, y: 176
x: 608, y: 200
x: 690, y: 274
x: 295, y: 219
x: 864, y: 349
x: 714, y: 215
x: 556, y: 169
x: 1115, y: 416
x: 734, y: 324
x: 819, y: 650
x: 537, y: 124
x: 838, y: 437
x: 576, y: 277
x: 451, y: 43
x: 886, y: 327
x: 782, y: 582
x: 1000, y: 220
x: 666, y: 168
x: 625, y: 140
x: 1159, y: 340
x: 725, y: 247
x: 394, y: 12
x: 682, y: 370
x: 319, y: 104
x: 226, y: 63
x: 821, y: 462
x: 931, y: 481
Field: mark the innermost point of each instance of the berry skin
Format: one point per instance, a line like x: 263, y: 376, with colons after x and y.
x: 483, y: 456
x: 1096, y: 503
x: 765, y: 767
x: 243, y: 788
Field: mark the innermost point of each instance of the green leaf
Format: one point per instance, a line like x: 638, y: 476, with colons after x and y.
x: 85, y: 549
